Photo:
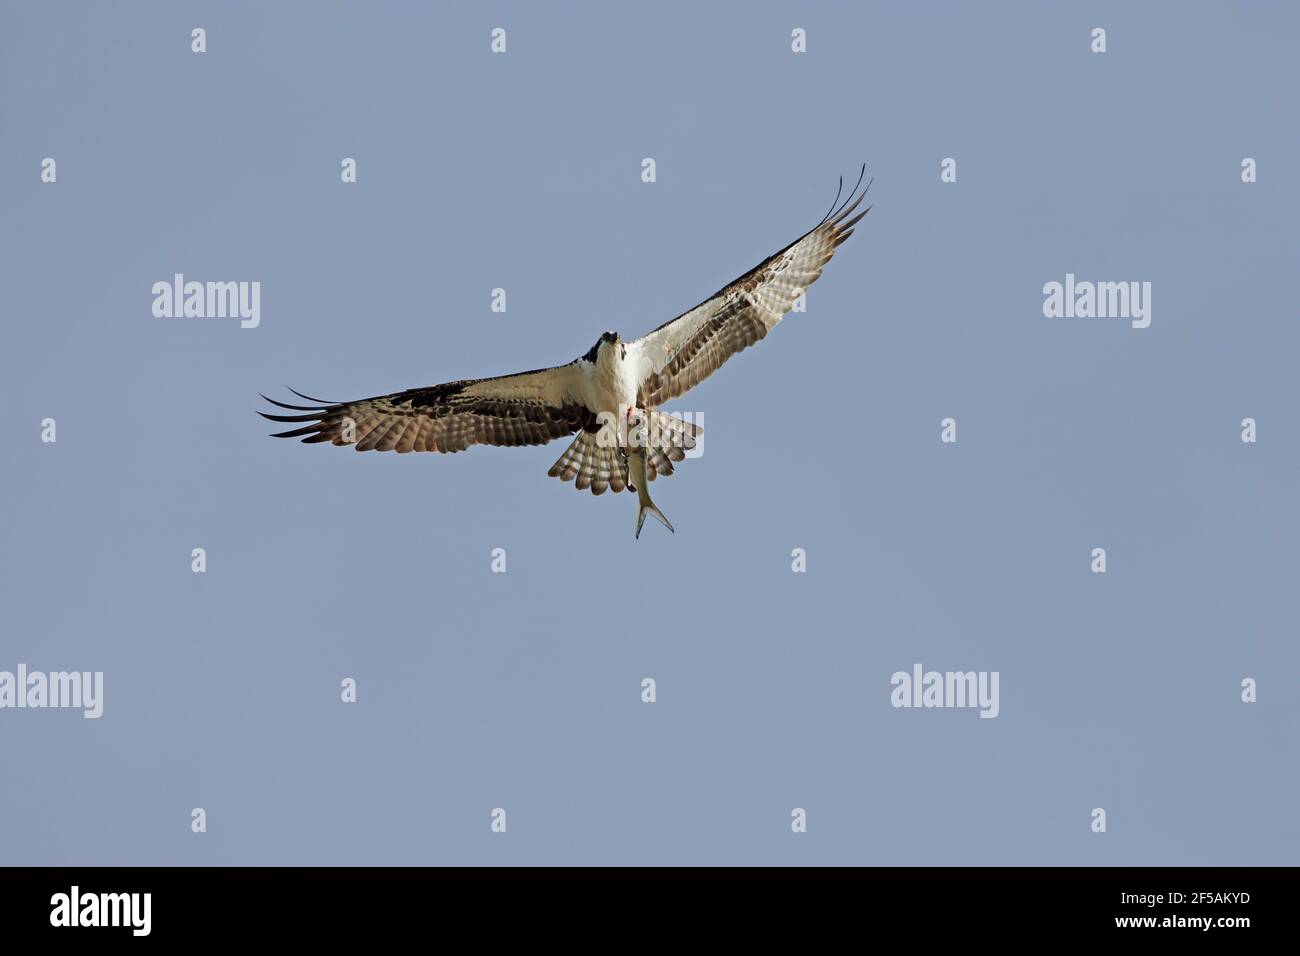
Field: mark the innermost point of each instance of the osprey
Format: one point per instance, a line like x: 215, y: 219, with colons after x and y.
x: 609, y: 396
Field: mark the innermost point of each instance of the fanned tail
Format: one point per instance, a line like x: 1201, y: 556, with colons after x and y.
x: 592, y: 463
x: 588, y: 463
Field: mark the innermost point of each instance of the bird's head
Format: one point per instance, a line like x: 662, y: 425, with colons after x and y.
x: 609, y: 345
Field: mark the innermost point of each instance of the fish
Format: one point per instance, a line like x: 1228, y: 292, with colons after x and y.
x: 638, y: 480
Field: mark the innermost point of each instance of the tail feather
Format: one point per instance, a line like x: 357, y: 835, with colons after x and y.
x: 658, y: 462
x: 591, y: 464
x: 674, y: 435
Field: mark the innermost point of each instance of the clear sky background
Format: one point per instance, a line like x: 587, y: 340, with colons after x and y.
x: 522, y: 690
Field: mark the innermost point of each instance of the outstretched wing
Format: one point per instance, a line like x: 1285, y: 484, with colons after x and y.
x: 683, y: 352
x: 529, y: 408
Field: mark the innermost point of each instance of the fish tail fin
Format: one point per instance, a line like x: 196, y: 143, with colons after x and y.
x: 646, y: 506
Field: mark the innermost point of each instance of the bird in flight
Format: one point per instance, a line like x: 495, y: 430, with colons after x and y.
x: 609, y: 396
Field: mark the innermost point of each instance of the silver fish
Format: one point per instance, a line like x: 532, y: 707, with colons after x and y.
x: 636, y: 468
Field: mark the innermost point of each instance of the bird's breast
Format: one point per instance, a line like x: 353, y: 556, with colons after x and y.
x: 616, y: 386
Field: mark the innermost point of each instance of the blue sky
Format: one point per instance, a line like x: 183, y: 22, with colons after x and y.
x: 522, y: 690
